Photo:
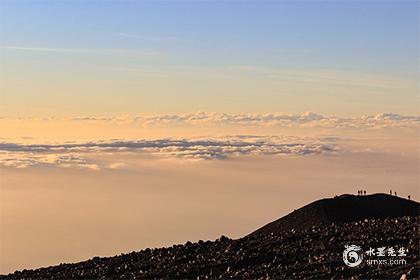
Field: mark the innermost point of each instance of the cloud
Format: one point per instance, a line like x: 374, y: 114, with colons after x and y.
x: 148, y: 38
x: 42, y: 49
x: 27, y: 159
x: 305, y: 120
x: 329, y: 76
x: 75, y: 154
x: 117, y: 165
x: 243, y: 68
x: 115, y: 52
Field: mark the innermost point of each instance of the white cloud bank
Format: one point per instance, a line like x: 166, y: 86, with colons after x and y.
x: 81, y: 154
x: 309, y: 119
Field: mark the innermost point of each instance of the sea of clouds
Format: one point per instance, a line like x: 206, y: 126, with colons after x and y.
x: 80, y: 154
x: 309, y: 119
x: 16, y: 154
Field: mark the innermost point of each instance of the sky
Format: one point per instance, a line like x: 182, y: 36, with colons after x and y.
x: 117, y: 57
x: 134, y: 124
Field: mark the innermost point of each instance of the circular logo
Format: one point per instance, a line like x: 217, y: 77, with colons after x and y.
x: 353, y: 255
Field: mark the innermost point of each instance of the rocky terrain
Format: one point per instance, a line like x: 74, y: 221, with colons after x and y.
x: 311, y: 253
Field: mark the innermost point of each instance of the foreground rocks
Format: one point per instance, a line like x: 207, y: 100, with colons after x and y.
x: 307, y: 254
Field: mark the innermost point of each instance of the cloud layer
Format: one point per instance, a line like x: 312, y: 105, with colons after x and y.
x: 82, y: 154
x: 309, y: 119
x: 25, y: 159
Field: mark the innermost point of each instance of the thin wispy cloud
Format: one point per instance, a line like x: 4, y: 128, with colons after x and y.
x: 148, y: 38
x: 114, y: 52
x: 331, y: 77
x: 142, y: 72
x: 372, y: 82
x: 43, y: 49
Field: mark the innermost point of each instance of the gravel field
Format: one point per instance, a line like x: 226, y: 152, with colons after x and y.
x: 313, y: 253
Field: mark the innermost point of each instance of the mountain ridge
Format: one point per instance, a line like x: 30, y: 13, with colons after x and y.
x: 314, y: 251
x: 342, y: 209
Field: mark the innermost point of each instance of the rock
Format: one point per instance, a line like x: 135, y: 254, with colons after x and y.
x: 292, y: 255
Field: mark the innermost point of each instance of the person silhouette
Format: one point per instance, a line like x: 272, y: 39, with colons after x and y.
x: 409, y: 197
x: 395, y: 193
x: 364, y: 192
x: 390, y: 192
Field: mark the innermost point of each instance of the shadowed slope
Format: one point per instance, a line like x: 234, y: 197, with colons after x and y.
x: 343, y: 209
x: 304, y: 253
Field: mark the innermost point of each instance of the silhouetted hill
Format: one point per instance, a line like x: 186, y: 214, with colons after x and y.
x: 343, y: 209
x: 311, y: 250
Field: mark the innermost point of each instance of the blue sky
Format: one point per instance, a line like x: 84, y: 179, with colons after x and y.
x: 366, y: 37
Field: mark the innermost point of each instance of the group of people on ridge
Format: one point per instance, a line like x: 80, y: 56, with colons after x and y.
x: 363, y: 192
